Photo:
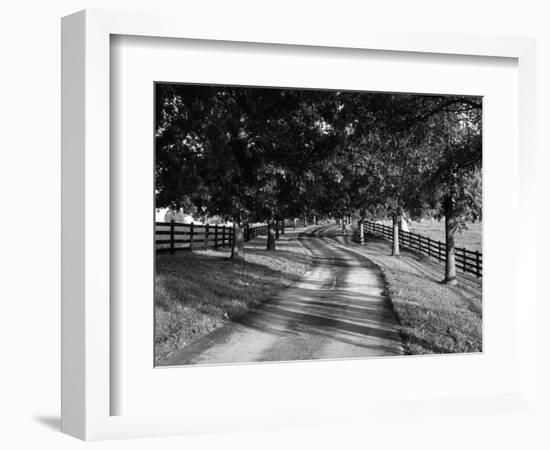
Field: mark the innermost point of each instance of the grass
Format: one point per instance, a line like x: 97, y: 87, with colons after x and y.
x: 471, y: 238
x: 433, y: 317
x: 198, y: 292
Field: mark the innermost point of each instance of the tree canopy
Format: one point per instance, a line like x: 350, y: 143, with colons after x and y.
x: 256, y: 153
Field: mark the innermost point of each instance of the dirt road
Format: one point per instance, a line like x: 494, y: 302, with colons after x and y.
x: 337, y: 310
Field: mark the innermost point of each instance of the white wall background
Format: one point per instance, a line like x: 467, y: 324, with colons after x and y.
x: 30, y: 225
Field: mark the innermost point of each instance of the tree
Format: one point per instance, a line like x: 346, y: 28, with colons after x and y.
x: 385, y: 158
x: 203, y: 152
x: 227, y: 148
x: 455, y: 191
x: 452, y: 176
x: 415, y: 154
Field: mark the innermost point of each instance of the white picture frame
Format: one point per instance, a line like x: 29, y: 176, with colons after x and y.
x: 86, y: 221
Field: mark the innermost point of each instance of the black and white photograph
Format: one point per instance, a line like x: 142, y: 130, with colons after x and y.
x: 297, y: 224
x: 275, y: 225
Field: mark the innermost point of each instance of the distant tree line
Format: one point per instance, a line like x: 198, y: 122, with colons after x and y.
x: 255, y: 154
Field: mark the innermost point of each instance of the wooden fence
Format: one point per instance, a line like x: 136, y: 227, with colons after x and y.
x: 252, y: 232
x: 172, y: 236
x: 466, y: 260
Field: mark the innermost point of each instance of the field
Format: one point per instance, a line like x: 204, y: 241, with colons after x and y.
x: 198, y: 292
x: 471, y: 238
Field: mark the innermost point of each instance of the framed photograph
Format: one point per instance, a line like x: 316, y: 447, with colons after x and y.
x: 255, y: 216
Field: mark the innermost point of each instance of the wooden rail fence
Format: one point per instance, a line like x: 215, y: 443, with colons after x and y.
x: 467, y: 260
x: 172, y: 236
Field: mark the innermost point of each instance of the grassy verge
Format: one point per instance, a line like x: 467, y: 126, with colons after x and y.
x: 433, y: 317
x: 197, y: 292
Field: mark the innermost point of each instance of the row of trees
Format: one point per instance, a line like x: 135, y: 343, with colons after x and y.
x: 252, y: 154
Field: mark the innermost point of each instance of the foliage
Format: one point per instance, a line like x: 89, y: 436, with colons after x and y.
x: 252, y: 154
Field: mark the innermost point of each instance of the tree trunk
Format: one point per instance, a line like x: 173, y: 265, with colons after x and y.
x: 277, y: 222
x: 270, y: 234
x: 237, y: 249
x: 450, y: 229
x: 283, y: 226
x: 395, y: 247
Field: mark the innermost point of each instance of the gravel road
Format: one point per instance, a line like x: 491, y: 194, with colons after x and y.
x: 337, y: 310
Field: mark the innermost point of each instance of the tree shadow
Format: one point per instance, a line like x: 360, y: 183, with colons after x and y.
x: 328, y: 323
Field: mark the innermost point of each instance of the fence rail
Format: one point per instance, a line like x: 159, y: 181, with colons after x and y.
x: 466, y: 260
x: 172, y: 236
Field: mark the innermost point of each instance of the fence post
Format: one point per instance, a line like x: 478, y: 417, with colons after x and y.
x: 206, y: 231
x: 223, y: 235
x: 172, y: 243
x: 478, y: 269
x: 215, y: 236
x: 191, y: 231
x: 429, y: 247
